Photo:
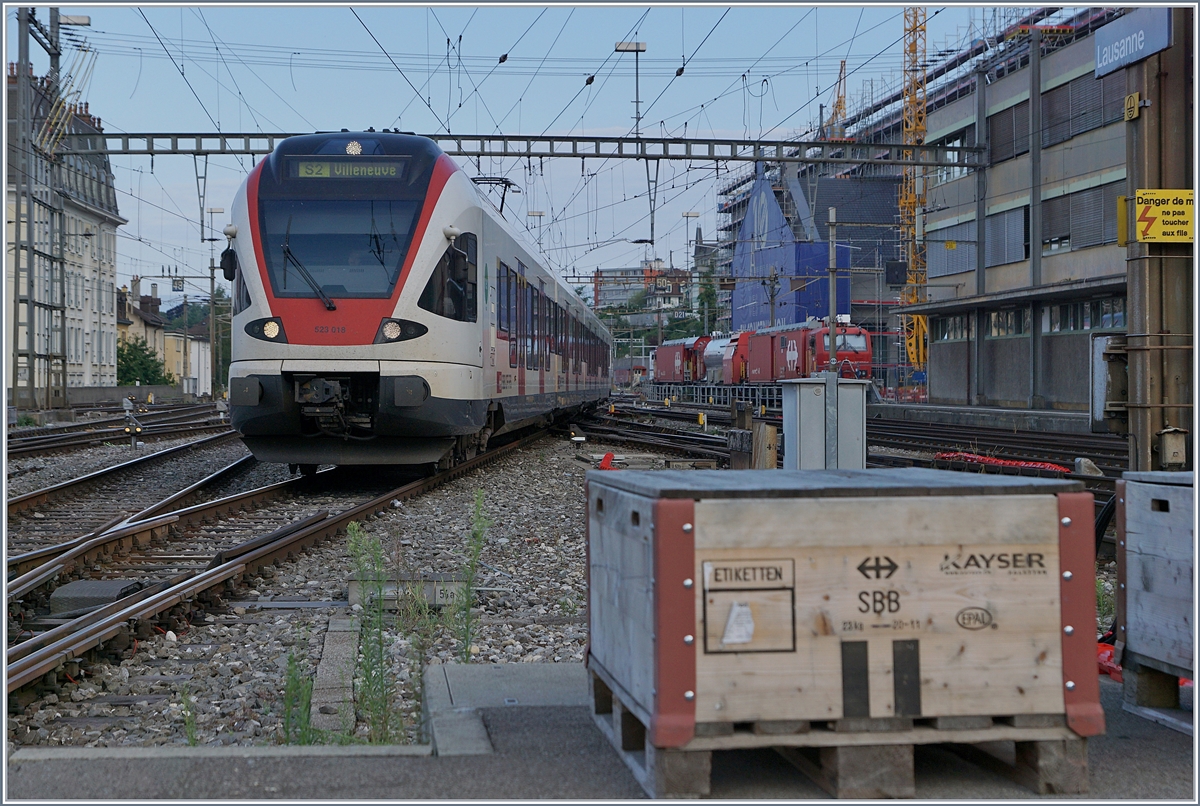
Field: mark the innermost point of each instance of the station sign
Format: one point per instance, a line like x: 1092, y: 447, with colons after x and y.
x: 1131, y: 38
x: 1165, y: 216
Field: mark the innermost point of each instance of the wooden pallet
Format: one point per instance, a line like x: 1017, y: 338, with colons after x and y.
x: 849, y: 758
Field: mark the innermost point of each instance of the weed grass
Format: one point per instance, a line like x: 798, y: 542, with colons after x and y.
x: 189, y: 718
x: 374, y: 677
x: 463, y: 618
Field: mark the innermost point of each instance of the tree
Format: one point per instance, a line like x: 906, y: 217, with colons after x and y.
x: 708, y: 297
x: 136, y: 362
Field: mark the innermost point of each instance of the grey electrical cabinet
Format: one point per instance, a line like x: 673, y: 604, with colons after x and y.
x: 824, y: 423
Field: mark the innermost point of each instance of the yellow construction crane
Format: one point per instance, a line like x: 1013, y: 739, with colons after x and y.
x: 835, y: 125
x: 912, y: 186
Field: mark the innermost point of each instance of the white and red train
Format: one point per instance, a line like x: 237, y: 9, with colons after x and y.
x: 763, y: 356
x: 384, y: 312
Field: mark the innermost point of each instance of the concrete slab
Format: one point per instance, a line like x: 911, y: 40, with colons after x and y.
x: 503, y: 685
x: 1064, y: 422
x: 333, y: 683
x: 550, y: 752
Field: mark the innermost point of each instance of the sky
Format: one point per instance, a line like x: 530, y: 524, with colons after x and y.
x: 748, y: 72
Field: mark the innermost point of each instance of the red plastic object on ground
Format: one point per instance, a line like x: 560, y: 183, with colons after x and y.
x: 1104, y: 659
x: 606, y: 462
x: 958, y: 456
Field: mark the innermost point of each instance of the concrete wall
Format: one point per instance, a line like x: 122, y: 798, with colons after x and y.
x: 1066, y: 64
x: 949, y: 365
x: 113, y: 395
x: 1095, y: 157
x: 1007, y: 363
x: 1095, y: 261
x: 1065, y: 378
x: 950, y: 118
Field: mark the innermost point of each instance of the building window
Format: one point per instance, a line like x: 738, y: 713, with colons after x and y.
x: 1008, y: 132
x: 950, y: 250
x: 953, y: 328
x: 1009, y: 322
x: 1097, y: 314
x: 1081, y: 105
x: 1082, y: 219
x: 1006, y: 237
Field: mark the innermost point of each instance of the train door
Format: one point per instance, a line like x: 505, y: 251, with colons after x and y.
x: 543, y: 337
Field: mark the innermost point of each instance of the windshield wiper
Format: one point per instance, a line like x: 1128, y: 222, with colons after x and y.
x: 308, y: 278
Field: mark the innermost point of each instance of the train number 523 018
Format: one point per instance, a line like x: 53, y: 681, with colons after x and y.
x: 329, y: 328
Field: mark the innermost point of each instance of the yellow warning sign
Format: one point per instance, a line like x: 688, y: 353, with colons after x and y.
x: 1165, y: 216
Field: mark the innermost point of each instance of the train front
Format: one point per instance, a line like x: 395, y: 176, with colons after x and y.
x: 355, y: 330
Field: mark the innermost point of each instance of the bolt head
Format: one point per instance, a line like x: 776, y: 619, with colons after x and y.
x: 1067, y: 575
x: 687, y: 583
x: 1070, y: 685
x: 691, y: 695
x: 1065, y: 521
x: 687, y: 527
x: 689, y: 639
x: 1069, y: 630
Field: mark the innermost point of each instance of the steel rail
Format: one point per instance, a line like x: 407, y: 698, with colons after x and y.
x: 73, y: 644
x: 32, y: 499
x: 55, y: 444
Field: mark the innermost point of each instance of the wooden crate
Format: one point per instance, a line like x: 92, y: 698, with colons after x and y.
x: 852, y: 613
x: 1155, y: 571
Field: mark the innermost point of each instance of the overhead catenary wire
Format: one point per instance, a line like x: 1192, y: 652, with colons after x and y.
x: 398, y: 70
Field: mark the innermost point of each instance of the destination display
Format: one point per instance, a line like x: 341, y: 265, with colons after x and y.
x: 389, y: 169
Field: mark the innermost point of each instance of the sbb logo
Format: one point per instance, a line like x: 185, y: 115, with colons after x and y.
x: 879, y: 602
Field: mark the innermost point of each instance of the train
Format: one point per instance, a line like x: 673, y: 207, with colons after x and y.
x: 772, y: 354
x: 386, y: 313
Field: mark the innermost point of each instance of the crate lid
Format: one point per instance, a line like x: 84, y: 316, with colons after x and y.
x: 903, y: 481
x: 1182, y: 478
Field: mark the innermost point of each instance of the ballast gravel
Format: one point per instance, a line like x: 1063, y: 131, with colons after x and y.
x: 26, y: 474
x: 222, y: 681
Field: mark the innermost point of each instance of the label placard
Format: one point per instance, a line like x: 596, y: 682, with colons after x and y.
x: 1165, y: 216
x: 367, y: 169
x: 749, y: 575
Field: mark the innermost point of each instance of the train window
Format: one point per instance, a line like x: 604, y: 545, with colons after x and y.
x: 544, y: 341
x: 531, y: 328
x: 849, y: 342
x: 452, y: 289
x: 350, y: 248
x: 241, y: 294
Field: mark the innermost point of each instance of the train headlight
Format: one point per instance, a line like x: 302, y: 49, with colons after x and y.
x: 392, y: 330
x: 267, y: 330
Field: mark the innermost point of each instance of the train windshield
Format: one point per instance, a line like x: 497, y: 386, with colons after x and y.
x: 349, y: 247
x: 849, y: 342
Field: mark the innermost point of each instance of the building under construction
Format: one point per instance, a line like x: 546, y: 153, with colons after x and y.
x: 1011, y: 306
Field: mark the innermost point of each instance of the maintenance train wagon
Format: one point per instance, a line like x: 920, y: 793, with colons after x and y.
x: 772, y: 354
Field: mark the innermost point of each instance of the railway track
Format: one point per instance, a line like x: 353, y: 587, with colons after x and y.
x: 183, y: 559
x: 166, y: 424
x: 1109, y: 453
x: 619, y: 427
x: 88, y: 502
